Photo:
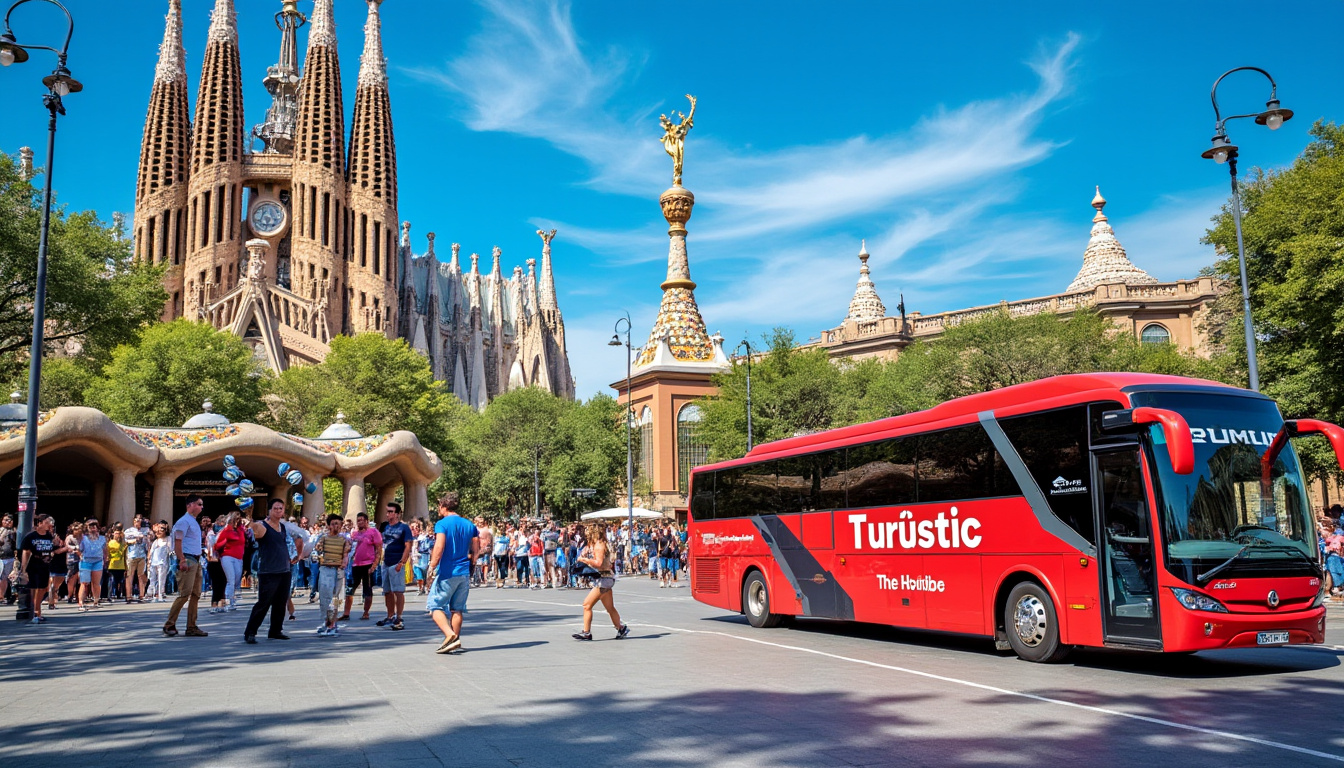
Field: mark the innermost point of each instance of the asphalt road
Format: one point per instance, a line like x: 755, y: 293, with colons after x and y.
x: 690, y: 687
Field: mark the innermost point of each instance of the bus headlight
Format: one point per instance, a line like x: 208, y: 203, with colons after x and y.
x: 1198, y: 602
x: 1320, y: 598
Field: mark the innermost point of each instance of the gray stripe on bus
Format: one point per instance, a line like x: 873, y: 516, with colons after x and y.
x: 1040, y: 507
x: 783, y: 563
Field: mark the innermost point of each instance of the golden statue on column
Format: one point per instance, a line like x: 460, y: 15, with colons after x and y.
x: 674, y: 138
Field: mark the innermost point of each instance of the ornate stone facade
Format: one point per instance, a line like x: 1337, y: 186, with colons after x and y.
x: 1108, y: 282
x: 295, y: 242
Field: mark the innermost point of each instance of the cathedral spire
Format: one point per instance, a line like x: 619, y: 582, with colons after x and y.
x: 1105, y: 260
x: 282, y: 82
x: 373, y: 160
x: 546, y: 293
x: 320, y: 131
x: 218, y: 136
x: 866, y: 304
x: 324, y: 25
x: 165, y: 154
x: 172, y: 56
x: 454, y: 265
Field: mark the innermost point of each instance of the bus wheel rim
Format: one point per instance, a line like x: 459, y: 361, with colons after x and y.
x: 1030, y: 621
x: 756, y: 598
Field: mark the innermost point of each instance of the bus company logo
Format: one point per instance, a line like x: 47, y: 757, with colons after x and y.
x: 1062, y: 487
x: 1223, y: 585
x: 1221, y: 436
x: 910, y: 583
x: 714, y: 538
x: 945, y: 531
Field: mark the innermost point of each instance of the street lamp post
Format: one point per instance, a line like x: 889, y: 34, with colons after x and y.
x: 629, y: 415
x: 1224, y: 151
x: 747, y: 344
x: 59, y: 84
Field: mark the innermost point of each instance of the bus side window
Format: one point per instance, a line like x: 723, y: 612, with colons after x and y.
x: 1053, y: 445
x: 880, y: 474
x: 702, y: 496
x: 960, y: 464
x: 794, y: 481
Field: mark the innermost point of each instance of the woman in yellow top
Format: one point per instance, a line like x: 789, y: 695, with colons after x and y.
x: 114, y: 578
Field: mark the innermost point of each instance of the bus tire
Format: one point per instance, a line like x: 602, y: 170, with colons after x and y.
x: 756, y: 603
x: 1032, y: 624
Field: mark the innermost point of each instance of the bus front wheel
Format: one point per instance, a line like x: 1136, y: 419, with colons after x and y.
x: 756, y: 603
x: 1032, y: 624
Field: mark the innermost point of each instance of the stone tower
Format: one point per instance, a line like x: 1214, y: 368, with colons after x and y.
x: 161, y: 188
x: 866, y: 304
x: 215, y: 189
x: 372, y: 266
x: 319, y: 186
x: 1105, y: 260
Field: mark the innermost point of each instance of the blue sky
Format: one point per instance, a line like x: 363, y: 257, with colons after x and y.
x: 962, y: 140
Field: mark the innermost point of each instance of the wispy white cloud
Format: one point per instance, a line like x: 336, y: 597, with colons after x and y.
x: 779, y: 227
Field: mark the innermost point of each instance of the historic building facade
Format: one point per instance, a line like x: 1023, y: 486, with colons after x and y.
x: 293, y: 242
x: 1107, y: 282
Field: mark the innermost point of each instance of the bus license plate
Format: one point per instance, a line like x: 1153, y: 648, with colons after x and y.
x: 1271, y: 638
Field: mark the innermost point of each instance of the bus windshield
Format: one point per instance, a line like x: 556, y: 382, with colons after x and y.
x: 1222, y: 516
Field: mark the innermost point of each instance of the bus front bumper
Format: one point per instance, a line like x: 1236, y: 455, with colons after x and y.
x: 1201, y: 630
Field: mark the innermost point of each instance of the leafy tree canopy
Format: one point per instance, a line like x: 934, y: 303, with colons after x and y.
x: 1293, y: 229
x: 96, y: 297
x: 162, y: 379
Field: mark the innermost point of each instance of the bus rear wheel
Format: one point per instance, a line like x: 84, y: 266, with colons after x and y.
x: 1032, y: 624
x: 756, y: 603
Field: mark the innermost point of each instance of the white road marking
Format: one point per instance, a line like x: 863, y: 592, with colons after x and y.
x: 1021, y: 694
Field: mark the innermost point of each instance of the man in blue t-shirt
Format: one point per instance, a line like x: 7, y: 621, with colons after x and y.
x: 456, y: 544
x: 396, y: 551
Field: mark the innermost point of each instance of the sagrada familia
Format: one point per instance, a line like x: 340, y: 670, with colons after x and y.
x: 296, y: 241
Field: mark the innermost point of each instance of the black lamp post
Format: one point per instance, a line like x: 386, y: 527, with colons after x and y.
x: 629, y: 415
x: 1224, y: 151
x: 59, y: 84
x: 747, y: 344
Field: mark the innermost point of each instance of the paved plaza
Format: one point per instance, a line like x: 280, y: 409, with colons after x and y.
x: 692, y: 686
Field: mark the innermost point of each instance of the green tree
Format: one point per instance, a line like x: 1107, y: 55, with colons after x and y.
x: 162, y: 379
x: 380, y: 384
x: 1293, y: 228
x: 97, y: 297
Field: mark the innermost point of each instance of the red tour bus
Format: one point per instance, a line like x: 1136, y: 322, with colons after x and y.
x: 1121, y: 510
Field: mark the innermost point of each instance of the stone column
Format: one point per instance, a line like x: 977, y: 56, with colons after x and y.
x: 99, y: 507
x: 121, y: 505
x: 315, y: 504
x: 354, y: 496
x: 387, y: 493
x: 161, y: 508
x: 416, y: 503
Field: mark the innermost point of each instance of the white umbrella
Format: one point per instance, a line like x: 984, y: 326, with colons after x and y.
x: 619, y: 513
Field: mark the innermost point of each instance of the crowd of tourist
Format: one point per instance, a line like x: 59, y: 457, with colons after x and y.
x: 1330, y: 538
x: 333, y: 560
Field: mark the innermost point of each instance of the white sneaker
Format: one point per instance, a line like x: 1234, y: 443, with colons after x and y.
x: 36, y: 620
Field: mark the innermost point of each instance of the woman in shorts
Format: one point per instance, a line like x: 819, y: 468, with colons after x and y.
x: 600, y: 557
x: 501, y: 555
x: 92, y: 562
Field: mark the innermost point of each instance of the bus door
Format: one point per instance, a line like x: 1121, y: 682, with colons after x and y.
x: 1126, y: 551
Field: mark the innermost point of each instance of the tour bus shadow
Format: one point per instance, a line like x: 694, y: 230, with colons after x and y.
x: 508, y: 646
x: 880, y: 632
x: 928, y: 725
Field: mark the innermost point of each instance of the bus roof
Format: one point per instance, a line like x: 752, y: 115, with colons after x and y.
x: 1077, y: 384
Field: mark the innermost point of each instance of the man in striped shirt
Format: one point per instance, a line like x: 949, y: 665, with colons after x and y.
x: 333, y: 554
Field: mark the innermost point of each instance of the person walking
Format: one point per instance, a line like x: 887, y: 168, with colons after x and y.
x: 158, y: 564
x: 273, y: 572
x: 550, y: 545
x: 397, y: 548
x: 456, y: 546
x: 368, y: 548
x: 333, y: 550
x: 501, y: 555
x: 231, y: 543
x: 487, y: 537
x: 670, y: 551
x: 36, y: 552
x: 93, y: 558
x: 187, y: 545
x: 9, y: 545
x: 600, y: 557
x: 219, y: 581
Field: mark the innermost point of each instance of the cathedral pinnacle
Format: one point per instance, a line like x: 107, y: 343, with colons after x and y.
x: 372, y: 64
x: 172, y: 57
x: 546, y: 294
x: 1105, y: 260
x: 866, y: 304
x: 223, y: 22
x: 454, y: 265
x: 324, y: 25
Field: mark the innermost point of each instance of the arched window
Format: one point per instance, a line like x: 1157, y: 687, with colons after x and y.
x: 1154, y: 333
x: 691, y: 450
x: 645, y: 425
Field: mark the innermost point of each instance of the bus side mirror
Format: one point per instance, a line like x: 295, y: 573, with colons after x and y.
x: 1299, y: 427
x: 1180, y: 444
